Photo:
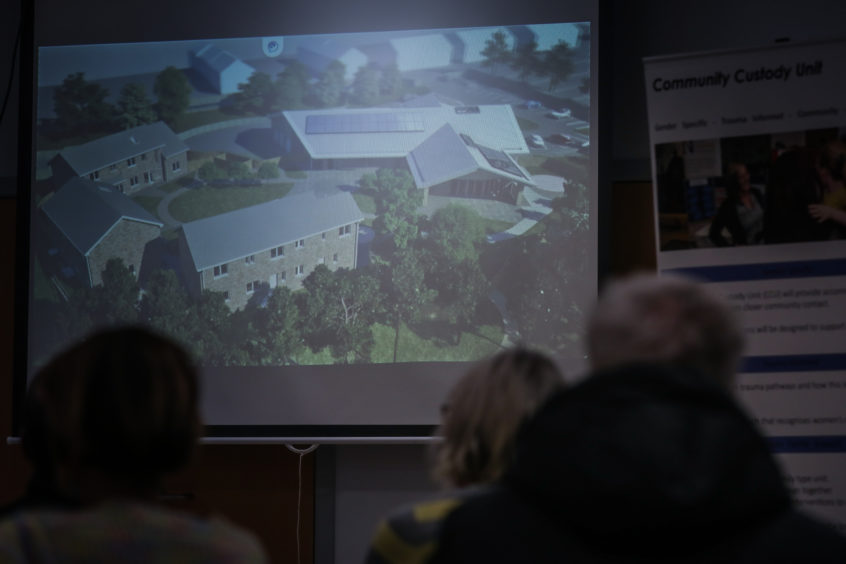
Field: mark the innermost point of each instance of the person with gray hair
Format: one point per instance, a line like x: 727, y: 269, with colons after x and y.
x: 648, y: 459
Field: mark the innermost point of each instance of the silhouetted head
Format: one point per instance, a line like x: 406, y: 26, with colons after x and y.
x: 121, y: 405
x: 667, y: 319
x: 484, y: 410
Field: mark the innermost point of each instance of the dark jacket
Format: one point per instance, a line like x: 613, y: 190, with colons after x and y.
x: 644, y: 464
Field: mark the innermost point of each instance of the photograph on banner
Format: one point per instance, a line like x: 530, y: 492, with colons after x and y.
x: 781, y: 187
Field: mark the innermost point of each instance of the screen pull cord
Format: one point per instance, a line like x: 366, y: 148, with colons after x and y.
x: 300, y: 452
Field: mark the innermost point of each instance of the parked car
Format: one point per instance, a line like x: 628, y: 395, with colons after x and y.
x: 533, y: 105
x: 536, y: 140
x: 560, y: 114
x: 560, y: 139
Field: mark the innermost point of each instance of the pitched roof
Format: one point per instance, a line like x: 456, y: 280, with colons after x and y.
x: 117, y: 147
x: 446, y: 155
x: 216, y: 58
x: 491, y: 125
x: 85, y: 212
x: 240, y: 233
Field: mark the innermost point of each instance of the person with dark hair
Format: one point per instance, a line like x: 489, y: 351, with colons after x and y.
x: 106, y: 421
x: 741, y: 213
x: 479, y: 420
x: 649, y: 459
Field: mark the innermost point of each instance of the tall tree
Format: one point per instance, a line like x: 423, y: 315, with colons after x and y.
x: 174, y: 94
x: 118, y: 294
x: 397, y: 202
x: 390, y: 81
x: 461, y: 288
x: 165, y: 306
x: 133, y: 106
x: 81, y: 106
x: 365, y: 86
x: 496, y: 51
x: 455, y: 231
x: 407, y: 290
x: 292, y: 86
x: 329, y: 89
x: 558, y: 64
x: 277, y: 328
x: 258, y: 95
x: 526, y: 60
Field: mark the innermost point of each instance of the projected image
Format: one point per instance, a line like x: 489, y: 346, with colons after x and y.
x: 753, y: 190
x: 317, y: 200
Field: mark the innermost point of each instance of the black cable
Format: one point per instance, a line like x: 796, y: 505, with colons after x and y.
x: 11, y: 72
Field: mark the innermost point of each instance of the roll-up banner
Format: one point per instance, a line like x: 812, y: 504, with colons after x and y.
x: 748, y: 163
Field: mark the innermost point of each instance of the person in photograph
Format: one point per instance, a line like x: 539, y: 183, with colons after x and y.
x: 831, y: 171
x: 791, y: 189
x: 742, y: 212
x: 479, y: 420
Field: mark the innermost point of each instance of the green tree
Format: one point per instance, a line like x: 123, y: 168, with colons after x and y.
x: 133, y: 106
x: 210, y: 171
x: 118, y: 294
x: 329, y: 89
x: 259, y: 95
x: 455, y: 231
x: 526, y: 60
x: 407, y: 290
x: 558, y: 64
x: 165, y: 306
x: 174, y: 94
x: 365, y: 87
x: 213, y: 340
x: 390, y: 81
x: 292, y: 86
x: 278, y: 335
x: 496, y: 51
x: 81, y: 106
x: 267, y: 170
x: 397, y: 202
x: 461, y: 288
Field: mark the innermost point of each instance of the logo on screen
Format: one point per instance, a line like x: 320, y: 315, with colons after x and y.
x: 272, y: 46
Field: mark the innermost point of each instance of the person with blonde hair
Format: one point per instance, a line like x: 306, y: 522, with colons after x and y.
x: 648, y: 459
x: 106, y: 420
x: 483, y: 412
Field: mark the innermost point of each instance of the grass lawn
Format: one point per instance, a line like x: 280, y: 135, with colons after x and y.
x: 296, y: 174
x: 206, y: 202
x: 149, y: 203
x: 365, y: 202
x: 190, y: 120
x: 412, y: 347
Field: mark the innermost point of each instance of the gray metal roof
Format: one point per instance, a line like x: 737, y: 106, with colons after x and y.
x: 442, y: 157
x: 493, y: 126
x: 445, y: 155
x: 85, y: 212
x: 234, y: 235
x: 118, y: 147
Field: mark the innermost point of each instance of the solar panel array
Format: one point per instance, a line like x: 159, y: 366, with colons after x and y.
x: 394, y: 122
x: 500, y: 161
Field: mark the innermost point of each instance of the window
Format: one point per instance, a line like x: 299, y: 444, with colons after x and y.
x: 221, y: 270
x: 143, y: 156
x: 343, y: 231
x: 112, y: 166
x: 323, y: 235
x: 299, y: 270
x: 300, y: 243
x: 277, y: 252
x: 226, y: 295
x: 335, y: 257
x: 281, y: 278
x: 250, y: 259
x: 119, y: 186
x: 130, y: 161
x: 321, y: 260
x: 94, y: 175
x: 175, y: 165
x: 133, y: 180
x: 252, y: 286
x: 152, y: 177
x: 147, y: 177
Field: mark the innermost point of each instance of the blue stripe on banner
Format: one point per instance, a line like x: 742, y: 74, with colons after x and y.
x: 793, y: 363
x: 822, y: 443
x: 764, y: 271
